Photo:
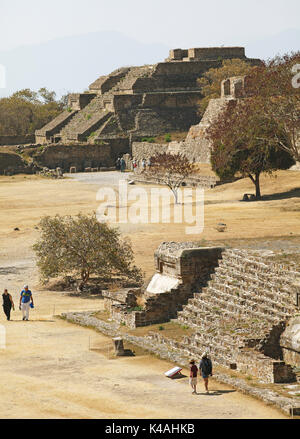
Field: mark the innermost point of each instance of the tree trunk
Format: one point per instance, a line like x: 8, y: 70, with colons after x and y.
x: 256, y: 183
x: 257, y: 187
x: 85, y: 275
x: 175, y: 193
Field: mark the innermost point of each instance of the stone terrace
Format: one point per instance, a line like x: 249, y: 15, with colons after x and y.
x: 134, y: 102
x: 239, y: 316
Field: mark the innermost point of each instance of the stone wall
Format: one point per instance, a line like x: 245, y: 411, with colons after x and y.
x: 290, y: 342
x: 197, y: 146
x: 80, y: 156
x: 17, y: 140
x: 77, y: 101
x: 11, y: 163
x: 127, y: 298
x: 207, y: 53
x: 203, y: 181
x: 146, y: 150
x: 191, y: 267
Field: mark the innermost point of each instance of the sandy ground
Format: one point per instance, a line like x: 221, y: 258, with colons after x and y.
x: 48, y: 370
x: 53, y: 369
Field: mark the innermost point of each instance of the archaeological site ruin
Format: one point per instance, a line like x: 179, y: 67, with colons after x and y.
x: 241, y: 307
x: 132, y: 103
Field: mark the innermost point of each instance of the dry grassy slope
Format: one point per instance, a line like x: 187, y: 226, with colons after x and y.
x: 24, y: 199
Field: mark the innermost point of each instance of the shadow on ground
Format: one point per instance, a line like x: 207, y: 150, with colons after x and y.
x: 293, y: 193
x: 216, y: 392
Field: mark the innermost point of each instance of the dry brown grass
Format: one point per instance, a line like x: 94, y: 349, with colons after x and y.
x: 25, y: 199
x: 170, y: 330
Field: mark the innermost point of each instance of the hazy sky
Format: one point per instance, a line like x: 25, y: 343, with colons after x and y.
x: 178, y: 23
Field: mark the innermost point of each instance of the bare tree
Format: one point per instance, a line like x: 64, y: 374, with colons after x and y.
x: 172, y: 169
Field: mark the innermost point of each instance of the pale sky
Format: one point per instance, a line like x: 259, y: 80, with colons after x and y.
x: 177, y: 23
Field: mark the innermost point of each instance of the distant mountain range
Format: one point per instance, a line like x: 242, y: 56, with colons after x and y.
x: 70, y: 64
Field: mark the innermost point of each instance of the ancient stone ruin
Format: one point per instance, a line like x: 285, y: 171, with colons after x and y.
x: 133, y: 102
x: 242, y: 307
x: 196, y: 146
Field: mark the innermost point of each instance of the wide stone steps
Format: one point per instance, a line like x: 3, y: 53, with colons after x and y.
x: 253, y: 257
x: 261, y: 265
x: 195, y: 321
x: 234, y: 277
x: 225, y: 302
x: 88, y: 126
x: 234, y: 315
x: 221, y: 339
x: 218, y: 353
x: 218, y: 309
x: 241, y: 295
x: 84, y: 117
x: 244, y: 282
x: 277, y: 281
x: 55, y: 125
x: 128, y: 81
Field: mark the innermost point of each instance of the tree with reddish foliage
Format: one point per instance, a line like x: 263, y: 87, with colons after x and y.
x: 277, y: 95
x: 172, y: 169
x: 246, y: 142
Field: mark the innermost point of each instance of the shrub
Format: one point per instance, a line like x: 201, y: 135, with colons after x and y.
x: 148, y: 139
x: 168, y: 138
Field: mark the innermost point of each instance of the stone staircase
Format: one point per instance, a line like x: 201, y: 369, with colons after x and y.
x: 57, y: 124
x: 239, y: 316
x: 126, y: 84
x: 87, y: 120
x: 93, y: 116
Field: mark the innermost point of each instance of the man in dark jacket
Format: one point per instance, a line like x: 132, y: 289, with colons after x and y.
x: 206, y: 369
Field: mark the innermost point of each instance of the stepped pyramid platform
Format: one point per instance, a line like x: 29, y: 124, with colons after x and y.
x: 239, y: 305
x: 135, y: 102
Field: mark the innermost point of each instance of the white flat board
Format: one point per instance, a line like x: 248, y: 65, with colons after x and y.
x: 173, y: 372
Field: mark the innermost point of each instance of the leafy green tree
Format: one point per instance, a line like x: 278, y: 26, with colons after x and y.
x: 26, y: 111
x: 82, y: 246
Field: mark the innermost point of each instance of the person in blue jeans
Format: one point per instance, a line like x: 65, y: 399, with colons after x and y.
x: 25, y: 299
x: 206, y: 369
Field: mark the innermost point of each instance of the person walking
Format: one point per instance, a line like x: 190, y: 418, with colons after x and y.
x: 123, y: 165
x: 118, y: 164
x: 8, y: 304
x: 206, y: 369
x: 25, y: 298
x: 143, y: 165
x: 134, y: 164
x: 193, y: 376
